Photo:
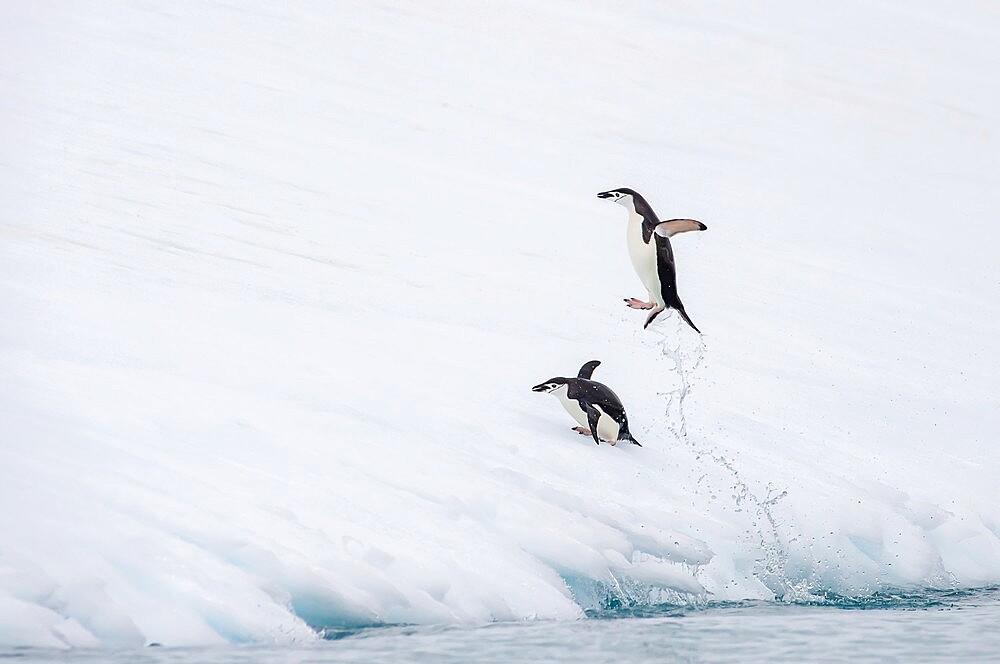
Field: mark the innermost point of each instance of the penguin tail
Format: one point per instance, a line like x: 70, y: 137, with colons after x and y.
x: 630, y: 439
x: 625, y: 436
x: 687, y: 319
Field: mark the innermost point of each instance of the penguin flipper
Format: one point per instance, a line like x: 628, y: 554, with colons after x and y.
x: 593, y: 415
x: 672, y: 227
x: 587, y: 370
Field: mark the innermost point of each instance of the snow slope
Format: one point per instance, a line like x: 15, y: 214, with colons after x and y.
x: 276, y: 280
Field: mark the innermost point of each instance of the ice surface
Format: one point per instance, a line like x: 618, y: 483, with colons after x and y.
x: 275, y: 282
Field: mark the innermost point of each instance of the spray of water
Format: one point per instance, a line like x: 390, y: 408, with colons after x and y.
x: 772, y: 563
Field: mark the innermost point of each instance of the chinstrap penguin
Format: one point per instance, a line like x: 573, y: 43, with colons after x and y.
x: 598, y: 410
x: 651, y: 253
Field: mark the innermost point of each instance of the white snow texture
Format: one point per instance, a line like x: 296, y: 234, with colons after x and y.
x: 276, y: 280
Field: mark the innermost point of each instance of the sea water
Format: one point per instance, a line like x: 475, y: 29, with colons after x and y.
x: 941, y: 625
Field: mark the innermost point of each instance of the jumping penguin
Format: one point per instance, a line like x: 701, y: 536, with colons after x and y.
x: 651, y: 254
x: 598, y: 410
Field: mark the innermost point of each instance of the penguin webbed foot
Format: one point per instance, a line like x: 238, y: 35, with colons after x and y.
x: 635, y: 303
x: 652, y: 315
x: 584, y: 431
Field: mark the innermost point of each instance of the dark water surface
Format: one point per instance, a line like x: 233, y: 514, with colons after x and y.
x: 942, y: 626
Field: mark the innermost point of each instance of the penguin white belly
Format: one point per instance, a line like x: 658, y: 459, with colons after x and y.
x: 573, y: 408
x: 607, y: 428
x: 644, y: 258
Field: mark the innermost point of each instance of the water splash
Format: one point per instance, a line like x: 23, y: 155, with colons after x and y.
x: 888, y: 599
x: 772, y: 564
x: 620, y: 593
x: 684, y: 365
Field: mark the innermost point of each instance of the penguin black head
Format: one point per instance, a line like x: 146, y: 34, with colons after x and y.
x: 551, y: 385
x: 621, y: 195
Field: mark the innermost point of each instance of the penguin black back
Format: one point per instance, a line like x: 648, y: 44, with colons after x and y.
x: 667, y: 272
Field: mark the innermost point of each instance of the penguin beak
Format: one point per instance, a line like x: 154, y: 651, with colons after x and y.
x: 605, y: 194
x: 539, y: 388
